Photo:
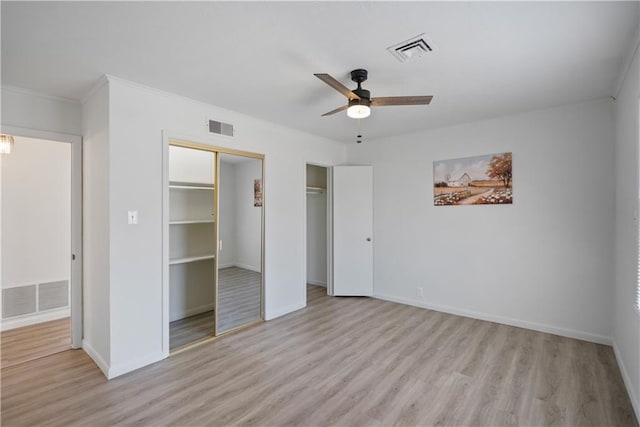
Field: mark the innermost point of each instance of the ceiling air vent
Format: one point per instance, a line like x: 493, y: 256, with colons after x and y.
x: 414, y: 47
x: 220, y: 128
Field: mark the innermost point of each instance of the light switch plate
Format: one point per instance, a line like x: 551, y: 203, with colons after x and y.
x: 133, y: 217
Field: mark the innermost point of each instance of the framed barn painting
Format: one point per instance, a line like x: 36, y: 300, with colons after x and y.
x: 479, y: 180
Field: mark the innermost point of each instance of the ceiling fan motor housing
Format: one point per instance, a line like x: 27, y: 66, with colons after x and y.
x: 361, y: 101
x: 359, y: 75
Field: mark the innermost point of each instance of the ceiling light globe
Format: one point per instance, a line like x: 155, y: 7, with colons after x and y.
x: 358, y: 111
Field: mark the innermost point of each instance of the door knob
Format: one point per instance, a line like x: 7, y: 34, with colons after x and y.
x: 368, y: 239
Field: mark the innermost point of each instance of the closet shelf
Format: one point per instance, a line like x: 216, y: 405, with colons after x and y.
x: 194, y: 221
x: 190, y: 259
x: 191, y: 185
x: 316, y: 190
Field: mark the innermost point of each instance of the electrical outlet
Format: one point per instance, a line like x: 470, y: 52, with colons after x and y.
x: 419, y: 292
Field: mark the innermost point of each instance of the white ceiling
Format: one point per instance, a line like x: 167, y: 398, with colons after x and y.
x: 490, y: 59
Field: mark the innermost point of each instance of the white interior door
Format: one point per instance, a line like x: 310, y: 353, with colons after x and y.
x: 352, y: 230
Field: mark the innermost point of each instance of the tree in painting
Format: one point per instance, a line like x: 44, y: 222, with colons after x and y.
x: 500, y: 168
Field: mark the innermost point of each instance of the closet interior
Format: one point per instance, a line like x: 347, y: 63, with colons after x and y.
x: 317, y: 225
x: 215, y: 242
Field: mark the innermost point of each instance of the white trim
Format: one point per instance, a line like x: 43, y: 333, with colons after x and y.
x: 103, y: 80
x: 285, y: 310
x: 223, y: 112
x: 115, y: 371
x: 21, y: 90
x: 164, y: 230
x: 627, y: 381
x: 123, y: 368
x: 192, y: 312
x: 570, y: 333
x: 317, y: 283
x: 246, y: 267
x: 41, y: 134
x: 330, y: 231
x: 97, y: 359
x: 34, y: 318
x: 76, y: 220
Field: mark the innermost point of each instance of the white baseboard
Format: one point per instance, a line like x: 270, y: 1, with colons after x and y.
x: 627, y: 382
x: 192, y: 312
x: 116, y: 370
x: 317, y: 283
x: 123, y: 368
x: 237, y: 264
x: 97, y: 359
x: 34, y: 318
x: 248, y: 267
x: 270, y: 315
x: 570, y: 333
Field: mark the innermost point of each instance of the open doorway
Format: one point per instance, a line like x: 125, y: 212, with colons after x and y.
x: 317, y: 233
x: 39, y: 205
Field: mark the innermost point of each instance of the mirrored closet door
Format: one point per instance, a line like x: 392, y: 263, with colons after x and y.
x: 215, y: 241
x: 240, y: 241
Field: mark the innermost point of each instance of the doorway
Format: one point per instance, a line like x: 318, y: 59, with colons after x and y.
x: 41, y: 248
x: 318, y: 223
x: 339, y: 229
x: 213, y: 250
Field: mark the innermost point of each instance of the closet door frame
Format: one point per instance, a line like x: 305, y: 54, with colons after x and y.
x: 186, y: 142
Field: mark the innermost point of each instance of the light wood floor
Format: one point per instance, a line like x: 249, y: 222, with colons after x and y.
x: 238, y: 297
x: 238, y: 301
x: 31, y: 342
x: 190, y: 329
x: 341, y: 361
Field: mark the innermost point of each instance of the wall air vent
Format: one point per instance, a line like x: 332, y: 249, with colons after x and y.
x: 412, y: 48
x: 220, y: 128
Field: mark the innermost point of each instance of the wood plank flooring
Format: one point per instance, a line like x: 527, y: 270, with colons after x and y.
x: 341, y: 361
x: 238, y: 297
x: 31, y: 342
x: 190, y: 329
x: 238, y: 301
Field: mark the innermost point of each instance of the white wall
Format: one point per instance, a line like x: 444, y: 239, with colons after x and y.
x: 23, y: 108
x: 248, y: 216
x: 36, y: 212
x: 626, y: 319
x: 227, y: 216
x: 543, y: 262
x: 96, y: 232
x: 137, y: 116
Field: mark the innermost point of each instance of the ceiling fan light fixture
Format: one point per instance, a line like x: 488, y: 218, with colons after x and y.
x: 358, y: 109
x: 6, y: 143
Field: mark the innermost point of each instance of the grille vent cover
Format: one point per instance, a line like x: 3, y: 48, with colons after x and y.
x: 220, y: 128
x: 412, y: 48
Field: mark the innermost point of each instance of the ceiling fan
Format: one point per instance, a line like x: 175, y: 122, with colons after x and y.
x: 360, y: 99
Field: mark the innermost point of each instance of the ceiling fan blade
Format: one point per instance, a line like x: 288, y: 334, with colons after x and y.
x: 401, y: 100
x: 337, y: 110
x: 337, y: 85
